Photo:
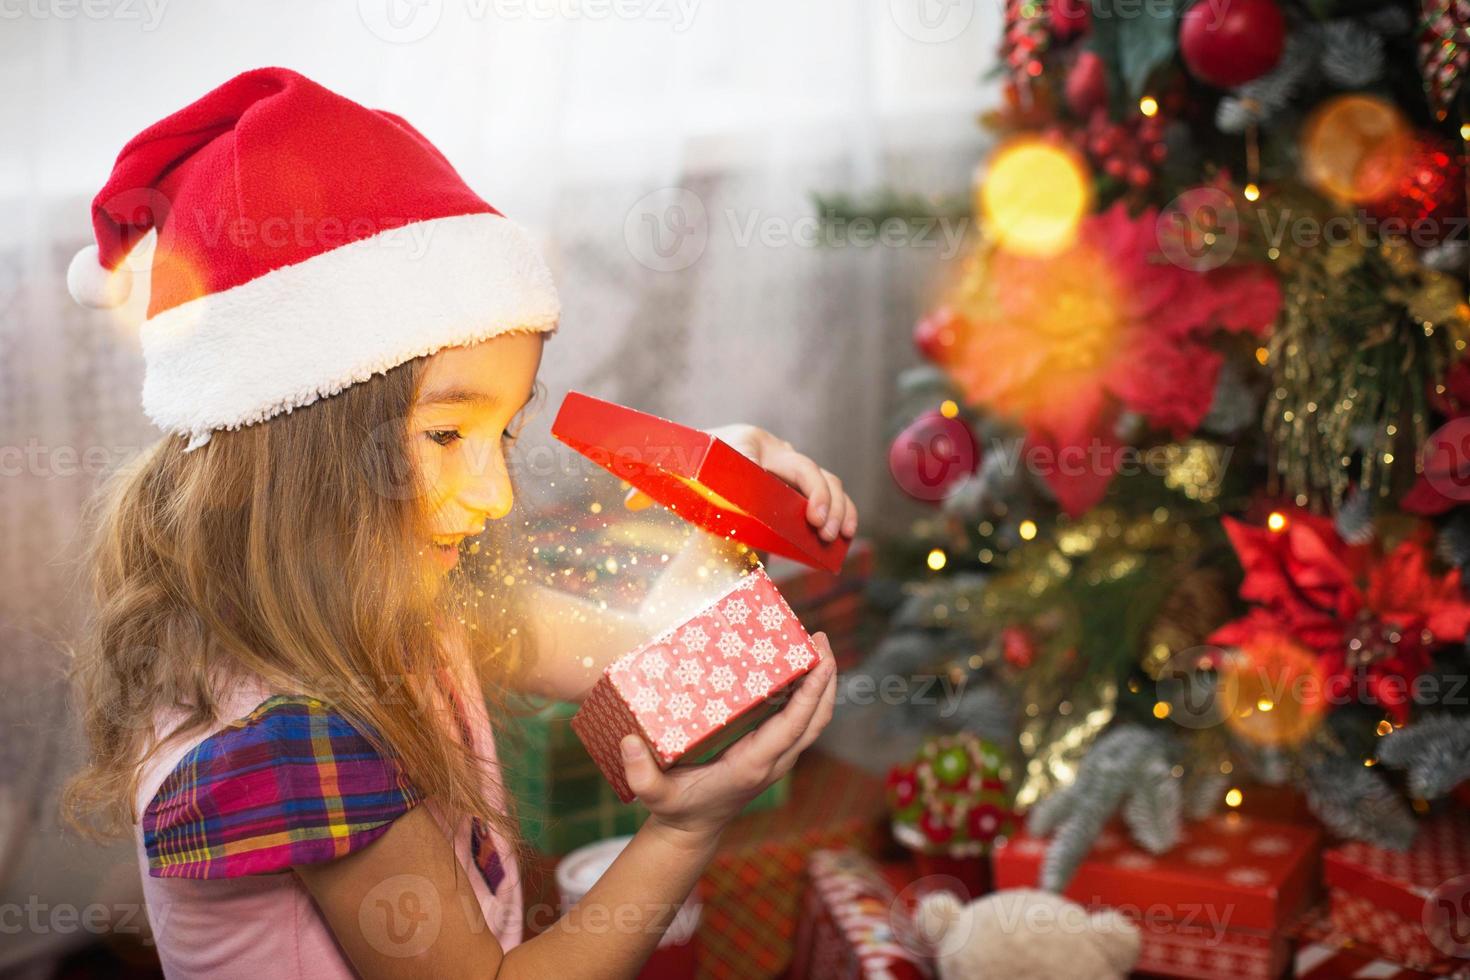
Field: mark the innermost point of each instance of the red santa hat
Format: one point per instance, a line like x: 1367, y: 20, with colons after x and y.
x: 304, y: 243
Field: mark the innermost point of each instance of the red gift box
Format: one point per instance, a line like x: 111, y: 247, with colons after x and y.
x: 847, y: 930
x: 751, y: 906
x: 1410, y: 904
x: 699, y: 684
x: 701, y: 478
x: 1221, y: 903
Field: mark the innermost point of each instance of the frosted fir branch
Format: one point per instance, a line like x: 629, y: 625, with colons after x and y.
x: 1153, y: 810
x: 1354, y: 801
x: 1049, y: 812
x: 1352, y: 55
x: 1203, y: 792
x: 1126, y: 763
x: 1435, y: 751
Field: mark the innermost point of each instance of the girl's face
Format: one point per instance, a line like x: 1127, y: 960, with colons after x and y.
x: 460, y: 427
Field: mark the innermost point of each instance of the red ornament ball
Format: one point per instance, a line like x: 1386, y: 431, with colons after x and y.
x: 1017, y: 647
x: 934, y: 828
x: 1087, y: 84
x: 933, y: 454
x: 1231, y: 44
x: 937, y: 334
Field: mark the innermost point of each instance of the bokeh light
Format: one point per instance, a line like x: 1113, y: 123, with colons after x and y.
x: 1034, y: 196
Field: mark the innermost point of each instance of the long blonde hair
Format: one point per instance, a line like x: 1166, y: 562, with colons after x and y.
x: 293, y: 551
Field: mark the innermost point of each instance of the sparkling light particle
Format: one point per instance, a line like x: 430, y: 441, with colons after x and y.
x: 1234, y: 797
x: 1149, y: 106
x: 937, y: 559
x: 1027, y: 530
x: 1252, y: 192
x: 1276, y: 521
x: 948, y: 408
x: 1161, y: 709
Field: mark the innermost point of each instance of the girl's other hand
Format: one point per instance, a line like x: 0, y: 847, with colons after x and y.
x: 694, y: 803
x: 828, y: 507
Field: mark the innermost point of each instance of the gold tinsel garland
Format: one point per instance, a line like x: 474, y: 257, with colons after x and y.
x: 1360, y: 333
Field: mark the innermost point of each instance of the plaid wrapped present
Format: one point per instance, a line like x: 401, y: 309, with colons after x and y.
x: 846, y: 930
x: 1412, y: 905
x: 751, y: 906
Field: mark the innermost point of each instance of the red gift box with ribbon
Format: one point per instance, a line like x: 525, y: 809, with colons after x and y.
x: 1222, y: 902
x: 1412, y: 905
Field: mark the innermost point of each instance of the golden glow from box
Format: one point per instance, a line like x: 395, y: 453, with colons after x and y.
x: 1034, y: 196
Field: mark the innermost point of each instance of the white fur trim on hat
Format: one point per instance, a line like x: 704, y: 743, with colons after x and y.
x: 91, y: 284
x: 309, y: 330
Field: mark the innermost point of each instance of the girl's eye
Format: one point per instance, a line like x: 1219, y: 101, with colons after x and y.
x: 443, y: 436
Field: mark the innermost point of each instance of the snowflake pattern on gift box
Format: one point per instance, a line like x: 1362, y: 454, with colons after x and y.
x: 757, y: 685
x: 716, y: 712
x: 1247, y: 877
x: 736, y: 611
x: 798, y: 656
x: 653, y: 664
x: 689, y: 672
x: 646, y: 700
x: 770, y: 618
x: 722, y: 678
x: 694, y: 639
x: 763, y: 650
x: 681, y: 706
x: 673, y: 741
x: 730, y: 645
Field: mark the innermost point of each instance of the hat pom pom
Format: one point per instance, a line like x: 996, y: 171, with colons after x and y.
x: 91, y: 284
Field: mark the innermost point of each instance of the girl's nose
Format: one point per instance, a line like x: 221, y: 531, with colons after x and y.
x: 488, y: 491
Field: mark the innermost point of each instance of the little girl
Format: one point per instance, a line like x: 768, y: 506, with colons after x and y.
x: 302, y: 595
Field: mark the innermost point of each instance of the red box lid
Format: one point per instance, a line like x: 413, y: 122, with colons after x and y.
x: 699, y: 477
x: 1402, y: 881
x: 1227, y: 873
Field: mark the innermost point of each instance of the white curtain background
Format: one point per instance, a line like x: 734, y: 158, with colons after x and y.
x: 607, y: 127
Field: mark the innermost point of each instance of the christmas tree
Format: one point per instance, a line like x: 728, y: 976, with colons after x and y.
x: 1195, y: 418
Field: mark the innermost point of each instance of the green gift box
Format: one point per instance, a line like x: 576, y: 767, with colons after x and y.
x: 563, y: 799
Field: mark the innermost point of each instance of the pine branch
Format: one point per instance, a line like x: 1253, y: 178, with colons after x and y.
x: 1435, y: 751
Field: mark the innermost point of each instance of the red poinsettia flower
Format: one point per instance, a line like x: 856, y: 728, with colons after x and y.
x: 1366, y: 615
x: 1066, y: 344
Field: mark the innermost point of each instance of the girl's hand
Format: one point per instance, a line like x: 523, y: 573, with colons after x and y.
x: 695, y: 802
x: 828, y: 508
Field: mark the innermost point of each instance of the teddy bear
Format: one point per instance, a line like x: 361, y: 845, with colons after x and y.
x: 1024, y: 933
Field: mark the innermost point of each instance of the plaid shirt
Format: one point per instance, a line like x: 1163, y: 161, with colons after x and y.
x: 292, y: 783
